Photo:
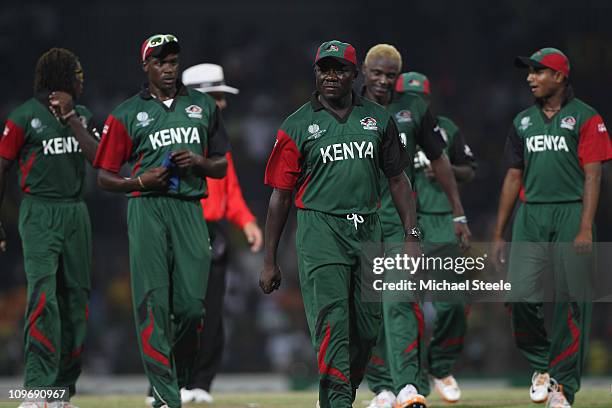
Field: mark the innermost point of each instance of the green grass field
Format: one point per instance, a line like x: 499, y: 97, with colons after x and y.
x: 494, y: 398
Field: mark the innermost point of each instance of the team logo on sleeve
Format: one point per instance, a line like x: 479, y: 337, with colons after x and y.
x: 525, y: 123
x: 568, y: 122
x: 369, y: 123
x: 143, y: 119
x: 6, y: 131
x: 601, y: 128
x: 403, y: 116
x: 315, y: 131
x: 194, y: 111
x: 37, y: 125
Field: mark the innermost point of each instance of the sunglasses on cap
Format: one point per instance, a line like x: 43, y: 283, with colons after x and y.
x: 155, y: 41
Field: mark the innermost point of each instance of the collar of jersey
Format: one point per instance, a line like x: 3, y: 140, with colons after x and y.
x: 317, y: 106
x: 145, y: 94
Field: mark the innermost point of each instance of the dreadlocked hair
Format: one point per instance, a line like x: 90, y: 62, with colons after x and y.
x: 384, y: 51
x: 55, y: 71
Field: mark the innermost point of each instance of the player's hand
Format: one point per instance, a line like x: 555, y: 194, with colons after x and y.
x: 155, y: 179
x: 2, y: 239
x: 412, y: 248
x: 429, y: 173
x: 270, y: 278
x: 462, y: 231
x: 583, y: 243
x: 185, y: 159
x: 499, y: 253
x: 61, y: 103
x: 253, y: 235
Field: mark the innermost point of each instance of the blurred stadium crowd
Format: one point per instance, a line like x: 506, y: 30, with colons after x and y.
x: 266, y: 49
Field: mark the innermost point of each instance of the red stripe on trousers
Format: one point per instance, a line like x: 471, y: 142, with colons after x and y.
x: 34, y: 332
x: 145, y: 335
x: 573, y: 348
x: 323, y: 367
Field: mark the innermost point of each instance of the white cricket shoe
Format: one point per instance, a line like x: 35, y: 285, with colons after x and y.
x: 384, y: 399
x: 201, y: 396
x: 60, y: 404
x: 149, y: 401
x: 30, y: 404
x: 186, y: 395
x: 556, y: 399
x: 447, y: 388
x: 540, y: 382
x: 409, y: 397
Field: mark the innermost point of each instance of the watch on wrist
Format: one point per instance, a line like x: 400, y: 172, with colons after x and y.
x: 413, y: 232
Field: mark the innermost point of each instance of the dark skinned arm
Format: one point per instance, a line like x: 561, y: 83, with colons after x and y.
x: 62, y: 105
x: 509, y: 194
x: 278, y: 210
x: 401, y: 193
x: 464, y: 173
x: 213, y: 167
x: 5, y: 165
x: 153, y: 179
x: 583, y: 243
x: 445, y: 177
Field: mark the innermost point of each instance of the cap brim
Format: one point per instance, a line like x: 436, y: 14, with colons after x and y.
x: 166, y: 49
x: 218, y: 88
x: 526, y: 62
x: 341, y: 60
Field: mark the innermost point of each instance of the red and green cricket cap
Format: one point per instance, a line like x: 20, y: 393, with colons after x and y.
x: 343, y: 52
x: 413, y: 82
x: 159, y: 45
x: 545, y: 58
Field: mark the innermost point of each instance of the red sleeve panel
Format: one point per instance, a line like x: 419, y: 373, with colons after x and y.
x: 594, y: 144
x: 12, y: 140
x: 284, y: 168
x: 115, y: 147
x: 237, y: 211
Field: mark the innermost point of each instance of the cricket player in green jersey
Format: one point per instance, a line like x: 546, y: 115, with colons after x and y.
x: 436, y: 224
x: 172, y: 137
x: 332, y: 151
x: 50, y: 137
x: 396, y: 365
x: 555, y: 150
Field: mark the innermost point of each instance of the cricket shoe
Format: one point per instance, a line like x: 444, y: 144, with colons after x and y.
x: 30, y: 404
x: 60, y: 404
x: 384, y: 399
x: 540, y: 382
x: 409, y: 397
x: 200, y: 396
x: 149, y: 401
x: 447, y: 388
x: 186, y: 395
x: 556, y: 399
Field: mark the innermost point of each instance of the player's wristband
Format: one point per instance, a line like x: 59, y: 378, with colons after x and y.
x: 462, y: 219
x: 68, y: 115
x: 141, y: 183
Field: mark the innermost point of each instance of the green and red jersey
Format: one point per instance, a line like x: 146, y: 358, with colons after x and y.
x: 334, y: 163
x: 430, y: 196
x: 51, y: 164
x: 416, y: 126
x: 552, y: 152
x: 142, y: 131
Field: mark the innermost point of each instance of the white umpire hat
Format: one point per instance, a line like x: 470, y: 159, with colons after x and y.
x: 207, y: 78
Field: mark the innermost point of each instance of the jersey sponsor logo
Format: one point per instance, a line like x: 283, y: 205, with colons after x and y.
x: 143, y: 120
x: 180, y: 135
x: 601, y: 128
x: 403, y: 139
x: 60, y: 145
x: 315, y: 131
x: 403, y: 116
x: 345, y: 151
x: 194, y: 111
x: 369, y: 123
x: 543, y: 143
x: 525, y: 123
x: 568, y: 122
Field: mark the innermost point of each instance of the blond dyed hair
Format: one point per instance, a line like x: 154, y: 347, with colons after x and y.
x: 384, y: 51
